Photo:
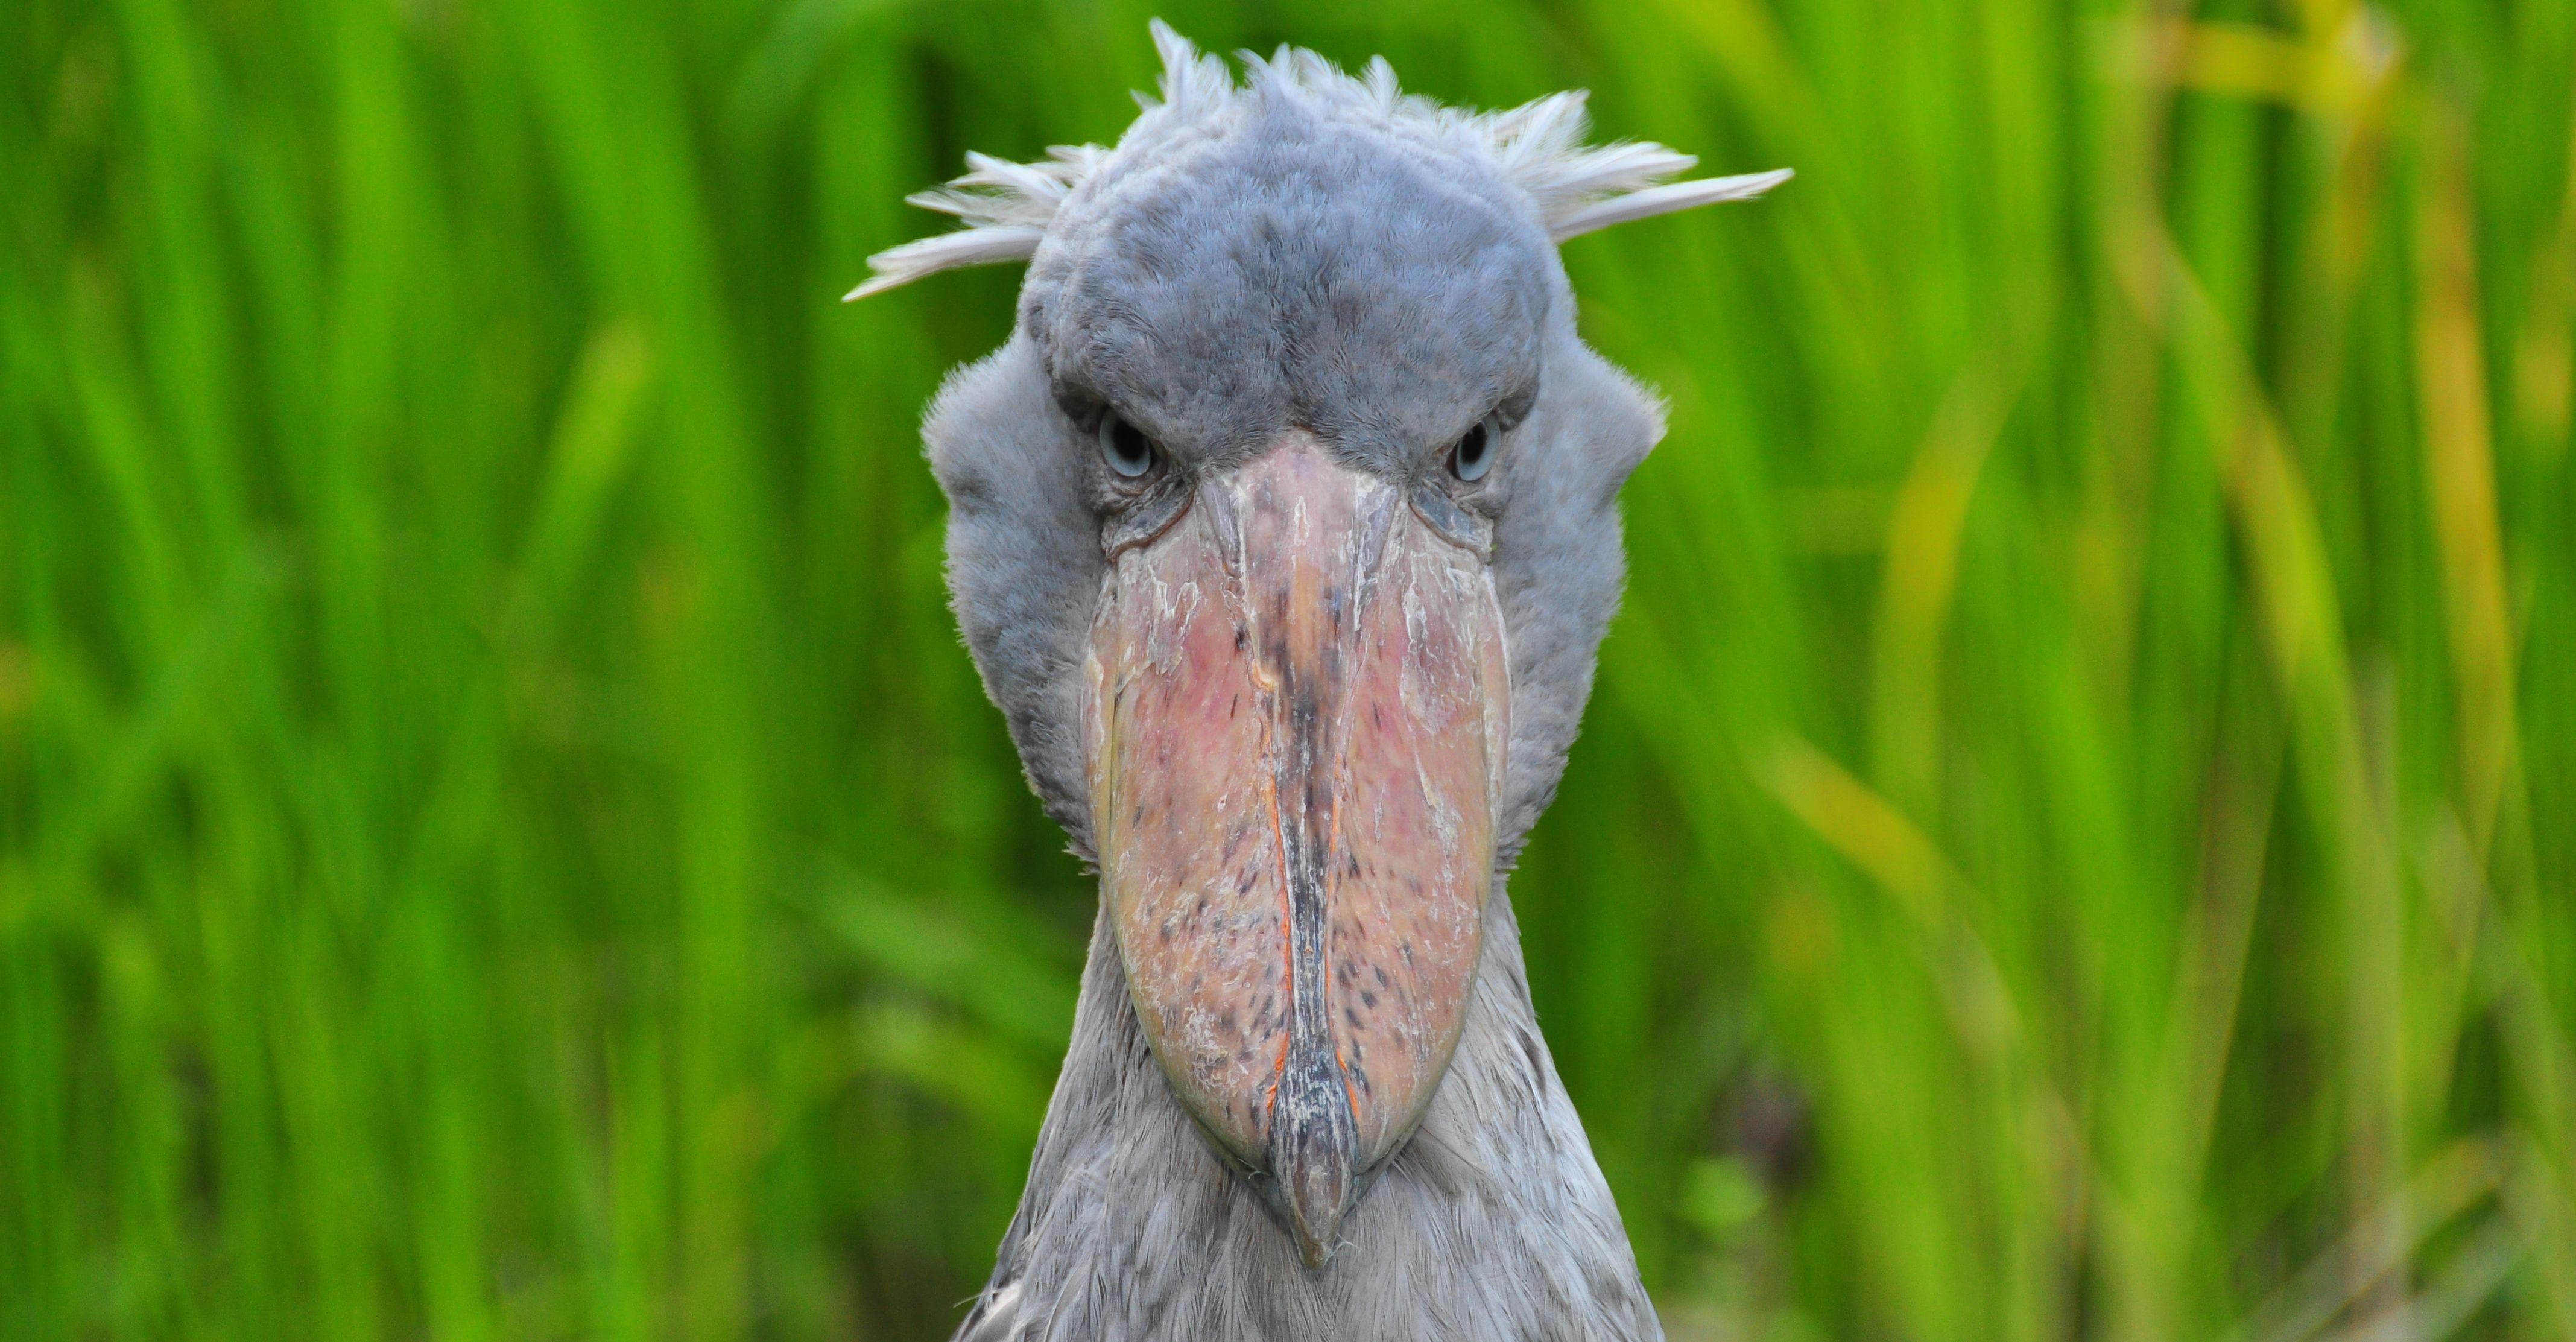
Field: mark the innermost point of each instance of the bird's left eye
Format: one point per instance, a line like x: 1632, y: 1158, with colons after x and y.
x: 1124, y: 446
x: 1474, y: 454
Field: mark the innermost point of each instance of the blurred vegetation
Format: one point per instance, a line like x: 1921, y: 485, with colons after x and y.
x: 498, y: 838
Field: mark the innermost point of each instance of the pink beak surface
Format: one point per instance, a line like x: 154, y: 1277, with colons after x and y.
x: 1297, y: 707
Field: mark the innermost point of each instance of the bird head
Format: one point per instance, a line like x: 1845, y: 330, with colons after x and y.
x: 1283, y: 531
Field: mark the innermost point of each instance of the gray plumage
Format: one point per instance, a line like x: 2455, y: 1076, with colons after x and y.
x: 1307, y: 251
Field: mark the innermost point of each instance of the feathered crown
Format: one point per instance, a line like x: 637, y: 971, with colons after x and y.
x: 1537, y: 147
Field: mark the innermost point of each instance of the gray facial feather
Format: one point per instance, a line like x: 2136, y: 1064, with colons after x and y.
x: 1297, y: 270
x: 1558, y: 563
x: 1024, y: 559
x: 1318, y: 252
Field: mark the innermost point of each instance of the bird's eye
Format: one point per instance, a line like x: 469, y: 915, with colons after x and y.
x: 1124, y: 446
x: 1474, y: 454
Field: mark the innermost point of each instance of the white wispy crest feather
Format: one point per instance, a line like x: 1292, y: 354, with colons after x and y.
x: 1538, y: 147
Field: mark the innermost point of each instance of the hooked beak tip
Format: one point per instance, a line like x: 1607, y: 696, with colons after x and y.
x: 1315, y: 1154
x: 1315, y: 1217
x: 1315, y: 1243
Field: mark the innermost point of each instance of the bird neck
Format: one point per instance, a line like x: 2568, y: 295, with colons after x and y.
x: 1492, y: 1220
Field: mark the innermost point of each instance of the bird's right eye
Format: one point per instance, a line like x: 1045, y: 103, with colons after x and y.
x: 1124, y: 446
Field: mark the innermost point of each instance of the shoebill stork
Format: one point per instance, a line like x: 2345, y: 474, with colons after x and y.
x: 1283, y: 531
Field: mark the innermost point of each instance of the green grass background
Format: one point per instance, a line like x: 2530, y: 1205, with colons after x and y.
x: 499, y: 839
